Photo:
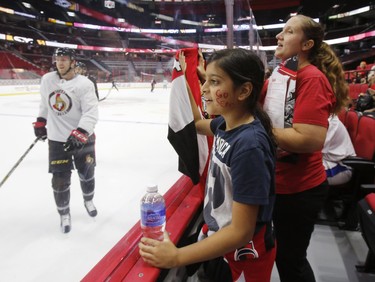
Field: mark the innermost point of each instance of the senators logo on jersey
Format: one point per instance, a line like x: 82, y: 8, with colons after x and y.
x: 60, y: 102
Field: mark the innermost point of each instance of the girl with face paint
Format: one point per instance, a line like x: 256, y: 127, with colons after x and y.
x: 239, y: 193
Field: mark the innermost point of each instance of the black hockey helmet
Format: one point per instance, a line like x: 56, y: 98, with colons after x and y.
x: 64, y: 52
x: 81, y: 65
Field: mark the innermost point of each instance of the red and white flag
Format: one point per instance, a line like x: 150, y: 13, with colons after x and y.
x: 191, y: 147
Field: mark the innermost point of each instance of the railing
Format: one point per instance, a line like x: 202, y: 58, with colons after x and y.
x: 123, y: 262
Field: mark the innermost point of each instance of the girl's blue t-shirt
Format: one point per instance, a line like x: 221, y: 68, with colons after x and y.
x: 242, y: 169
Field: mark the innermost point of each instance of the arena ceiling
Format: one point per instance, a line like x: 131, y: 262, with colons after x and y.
x: 211, y: 12
x: 193, y: 14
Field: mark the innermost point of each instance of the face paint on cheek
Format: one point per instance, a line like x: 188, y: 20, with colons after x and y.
x: 221, y: 98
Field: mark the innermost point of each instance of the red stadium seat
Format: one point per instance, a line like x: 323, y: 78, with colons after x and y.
x: 362, y: 132
x: 9, y: 60
x: 351, y: 123
x: 355, y: 90
x: 364, y: 141
x: 342, y: 115
x: 367, y: 223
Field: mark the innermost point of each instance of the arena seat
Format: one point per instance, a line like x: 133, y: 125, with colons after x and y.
x: 361, y: 130
x: 9, y: 60
x: 351, y: 123
x: 364, y: 145
x: 342, y: 115
x: 354, y: 90
x: 364, y: 141
x: 367, y: 224
x: 123, y: 262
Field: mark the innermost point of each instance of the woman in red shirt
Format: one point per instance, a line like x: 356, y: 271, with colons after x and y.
x: 302, y: 93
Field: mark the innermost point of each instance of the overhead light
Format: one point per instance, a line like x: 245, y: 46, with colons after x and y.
x: 244, y: 19
x: 350, y: 13
x: 134, y: 7
x: 163, y: 17
x: 27, y: 5
x: 109, y: 4
x: 63, y: 3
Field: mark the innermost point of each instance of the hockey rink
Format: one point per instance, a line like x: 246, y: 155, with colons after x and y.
x: 132, y: 151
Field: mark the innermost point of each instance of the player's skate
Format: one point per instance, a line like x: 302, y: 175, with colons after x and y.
x: 91, y: 209
x: 65, y: 224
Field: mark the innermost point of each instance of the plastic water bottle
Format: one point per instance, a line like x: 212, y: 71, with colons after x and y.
x: 153, y: 214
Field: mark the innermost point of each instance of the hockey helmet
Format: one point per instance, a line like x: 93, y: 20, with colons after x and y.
x: 59, y: 52
x: 81, y: 65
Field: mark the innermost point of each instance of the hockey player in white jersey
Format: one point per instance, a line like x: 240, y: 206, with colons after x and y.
x: 69, y: 110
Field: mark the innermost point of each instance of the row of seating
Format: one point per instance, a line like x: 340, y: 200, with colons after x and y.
x: 361, y: 129
x: 357, y: 194
x: 11, y: 61
x: 356, y: 88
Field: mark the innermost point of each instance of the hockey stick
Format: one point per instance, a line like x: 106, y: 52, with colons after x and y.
x: 109, y: 92
x: 19, y: 161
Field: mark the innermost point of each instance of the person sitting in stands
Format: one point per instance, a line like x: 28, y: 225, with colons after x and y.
x: 361, y: 72
x: 371, y: 73
x: 337, y: 147
x: 366, y: 101
x: 371, y: 84
x: 372, y: 110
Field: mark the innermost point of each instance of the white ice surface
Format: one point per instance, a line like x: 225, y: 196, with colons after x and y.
x: 132, y: 151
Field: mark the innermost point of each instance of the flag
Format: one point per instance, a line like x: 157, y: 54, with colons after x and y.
x: 192, y: 149
x: 280, y: 100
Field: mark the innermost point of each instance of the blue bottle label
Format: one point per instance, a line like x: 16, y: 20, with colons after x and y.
x: 152, y: 218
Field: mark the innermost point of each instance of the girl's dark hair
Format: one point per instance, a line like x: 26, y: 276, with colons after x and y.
x: 325, y: 59
x: 245, y: 66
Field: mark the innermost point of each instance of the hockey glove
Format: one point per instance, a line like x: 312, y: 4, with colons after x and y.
x: 40, y: 129
x: 77, y: 139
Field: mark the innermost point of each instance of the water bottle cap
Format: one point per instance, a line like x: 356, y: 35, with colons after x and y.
x: 152, y: 188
